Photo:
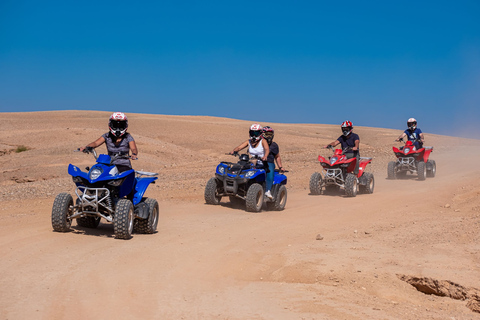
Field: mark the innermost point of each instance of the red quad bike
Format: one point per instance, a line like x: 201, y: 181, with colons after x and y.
x: 338, y: 172
x: 413, y: 160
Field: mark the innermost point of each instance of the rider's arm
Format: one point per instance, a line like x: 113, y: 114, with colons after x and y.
x: 279, y: 161
x: 333, y: 144
x: 401, y: 136
x: 422, y: 138
x: 240, y: 147
x: 357, y: 144
x: 266, y: 148
x: 94, y: 144
x: 133, y: 148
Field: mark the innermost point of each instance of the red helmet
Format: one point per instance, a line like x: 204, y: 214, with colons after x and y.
x: 347, y: 127
x: 255, y: 132
x: 118, y: 124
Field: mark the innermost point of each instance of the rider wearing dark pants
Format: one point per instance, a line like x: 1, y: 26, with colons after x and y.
x: 274, y: 155
x: 350, y: 141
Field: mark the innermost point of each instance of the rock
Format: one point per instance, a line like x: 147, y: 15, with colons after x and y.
x: 446, y: 206
x: 319, y: 237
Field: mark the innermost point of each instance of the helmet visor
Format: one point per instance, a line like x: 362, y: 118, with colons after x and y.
x: 255, y: 133
x: 116, y: 124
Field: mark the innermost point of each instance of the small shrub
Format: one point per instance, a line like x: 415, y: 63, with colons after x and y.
x: 21, y: 149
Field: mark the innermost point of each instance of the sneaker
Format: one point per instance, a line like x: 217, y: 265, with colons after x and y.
x: 268, y: 194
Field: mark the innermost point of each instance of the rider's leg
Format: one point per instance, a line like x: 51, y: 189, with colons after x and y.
x: 270, y: 174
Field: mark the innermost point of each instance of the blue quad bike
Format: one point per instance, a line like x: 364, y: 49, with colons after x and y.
x: 244, y: 184
x: 104, y: 192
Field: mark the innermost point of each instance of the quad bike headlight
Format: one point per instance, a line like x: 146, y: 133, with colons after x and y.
x: 333, y: 160
x: 95, y: 173
x: 249, y: 174
x: 406, y: 150
x: 221, y: 170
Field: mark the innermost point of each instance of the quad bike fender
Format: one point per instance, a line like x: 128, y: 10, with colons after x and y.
x: 322, y: 159
x: 141, y: 186
x: 396, y: 150
x: 279, y: 179
x: 352, y: 163
x: 75, y: 171
x: 363, y: 165
x: 128, y: 184
x: 427, y: 152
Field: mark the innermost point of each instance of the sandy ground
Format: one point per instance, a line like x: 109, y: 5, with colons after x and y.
x: 221, y: 262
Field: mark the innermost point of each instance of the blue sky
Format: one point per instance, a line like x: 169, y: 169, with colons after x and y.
x: 376, y: 63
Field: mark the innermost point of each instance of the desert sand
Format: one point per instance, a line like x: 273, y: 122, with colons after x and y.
x: 221, y: 262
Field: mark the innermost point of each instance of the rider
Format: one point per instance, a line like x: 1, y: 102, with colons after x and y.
x: 413, y: 133
x: 350, y: 141
x: 257, y: 146
x: 274, y: 154
x: 118, y: 141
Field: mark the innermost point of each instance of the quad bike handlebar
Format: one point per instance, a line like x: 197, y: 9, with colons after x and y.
x: 344, y: 150
x: 91, y: 150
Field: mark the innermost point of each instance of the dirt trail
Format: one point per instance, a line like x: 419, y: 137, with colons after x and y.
x: 220, y: 262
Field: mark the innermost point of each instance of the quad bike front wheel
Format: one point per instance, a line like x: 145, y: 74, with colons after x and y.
x: 351, y: 185
x: 422, y: 170
x: 316, y: 182
x: 149, y: 225
x: 123, y: 221
x: 254, y: 198
x: 62, y: 210
x: 211, y: 194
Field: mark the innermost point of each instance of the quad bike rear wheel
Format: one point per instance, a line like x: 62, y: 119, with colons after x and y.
x: 331, y: 189
x: 422, y: 170
x: 280, y: 199
x: 254, y: 199
x: 369, y: 183
x: 391, y: 170
x: 123, y: 221
x: 351, y: 185
x: 149, y: 225
x: 211, y: 194
x: 431, y: 168
x: 62, y: 210
x: 88, y: 222
x: 316, y: 183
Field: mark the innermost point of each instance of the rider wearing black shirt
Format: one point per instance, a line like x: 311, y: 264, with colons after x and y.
x: 350, y: 141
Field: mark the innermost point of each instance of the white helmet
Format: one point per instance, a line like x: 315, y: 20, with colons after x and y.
x: 255, y: 132
x: 412, y: 124
x: 118, y: 124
